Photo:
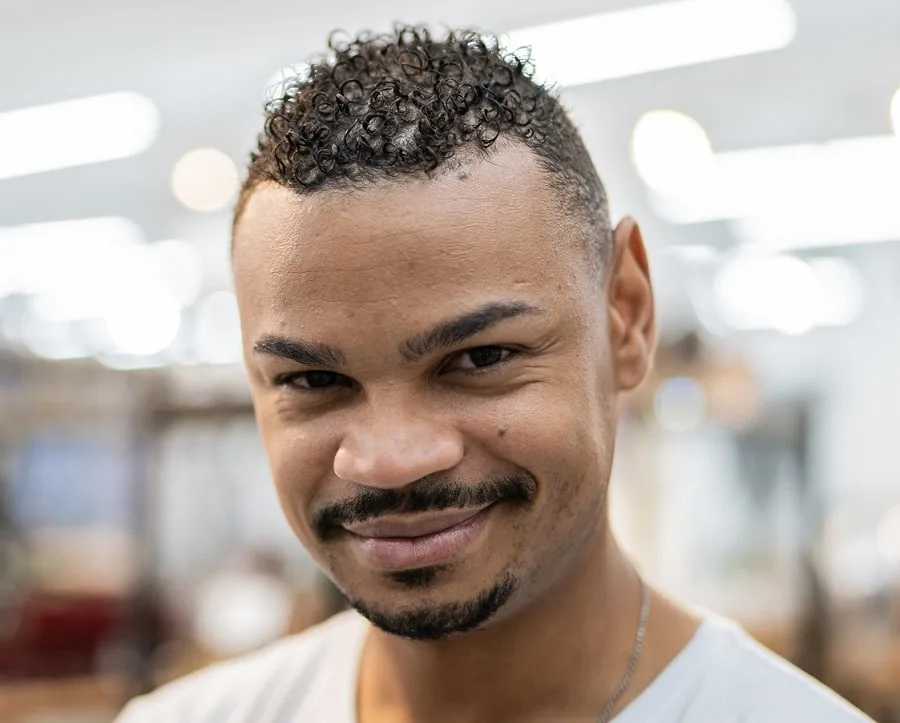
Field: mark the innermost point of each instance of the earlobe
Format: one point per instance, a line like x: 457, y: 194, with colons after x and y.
x: 632, y: 317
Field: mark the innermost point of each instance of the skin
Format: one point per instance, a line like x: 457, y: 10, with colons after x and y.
x: 367, y: 271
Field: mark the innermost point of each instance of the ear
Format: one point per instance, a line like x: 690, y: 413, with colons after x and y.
x: 629, y: 297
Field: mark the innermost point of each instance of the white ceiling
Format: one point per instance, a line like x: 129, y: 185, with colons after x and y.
x: 205, y: 64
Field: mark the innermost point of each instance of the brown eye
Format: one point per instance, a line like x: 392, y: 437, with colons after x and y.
x: 481, y: 358
x: 320, y: 380
x: 310, y: 381
x: 485, y: 356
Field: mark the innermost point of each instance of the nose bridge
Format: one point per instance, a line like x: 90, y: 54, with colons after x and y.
x: 395, y: 439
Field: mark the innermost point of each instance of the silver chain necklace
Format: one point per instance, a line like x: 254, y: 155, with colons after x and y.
x: 635, y: 656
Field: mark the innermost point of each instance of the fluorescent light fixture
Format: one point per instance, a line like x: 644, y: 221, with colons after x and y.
x: 774, y: 196
x: 845, y: 291
x: 832, y: 225
x: 808, y: 196
x: 92, y: 285
x: 788, y: 294
x: 76, y: 133
x: 74, y: 266
x: 139, y: 321
x: 54, y: 340
x: 895, y: 112
x: 655, y: 37
x: 143, y: 322
x: 60, y: 255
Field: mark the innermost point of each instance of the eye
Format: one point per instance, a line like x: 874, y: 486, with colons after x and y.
x: 311, y: 381
x: 481, y: 358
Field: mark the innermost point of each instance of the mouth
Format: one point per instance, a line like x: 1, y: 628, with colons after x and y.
x: 408, y: 542
x: 420, y: 525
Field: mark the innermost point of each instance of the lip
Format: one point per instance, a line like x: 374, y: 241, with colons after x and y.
x: 427, y: 523
x: 398, y: 543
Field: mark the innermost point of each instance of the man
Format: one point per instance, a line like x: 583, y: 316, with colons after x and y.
x: 438, y: 322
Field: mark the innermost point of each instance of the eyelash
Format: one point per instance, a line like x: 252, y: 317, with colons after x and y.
x: 288, y: 379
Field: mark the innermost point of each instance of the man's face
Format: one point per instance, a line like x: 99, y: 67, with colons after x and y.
x: 435, y: 383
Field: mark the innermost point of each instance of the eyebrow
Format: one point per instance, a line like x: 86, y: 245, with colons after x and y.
x: 455, y: 331
x: 307, y: 353
x: 444, y: 335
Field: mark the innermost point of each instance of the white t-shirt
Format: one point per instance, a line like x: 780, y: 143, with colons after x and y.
x: 721, y: 676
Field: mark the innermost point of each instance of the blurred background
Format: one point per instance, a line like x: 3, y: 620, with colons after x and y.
x: 758, y: 471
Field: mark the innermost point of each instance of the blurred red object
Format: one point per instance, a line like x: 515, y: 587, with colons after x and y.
x: 55, y: 634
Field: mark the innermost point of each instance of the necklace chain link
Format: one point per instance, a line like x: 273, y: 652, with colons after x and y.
x: 635, y: 656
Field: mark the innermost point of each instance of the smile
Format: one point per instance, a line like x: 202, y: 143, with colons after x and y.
x: 411, y: 541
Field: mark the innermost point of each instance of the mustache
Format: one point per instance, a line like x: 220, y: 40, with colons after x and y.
x: 426, y: 495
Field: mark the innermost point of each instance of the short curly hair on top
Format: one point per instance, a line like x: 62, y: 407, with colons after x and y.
x: 384, y: 106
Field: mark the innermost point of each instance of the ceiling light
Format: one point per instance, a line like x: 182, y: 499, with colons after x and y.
x: 93, y: 285
x: 774, y: 195
x: 755, y: 181
x: 802, y: 228
x: 845, y: 291
x: 76, y: 133
x: 56, y: 340
x: 205, y: 179
x: 670, y: 149
x: 655, y: 37
x: 764, y: 293
x: 144, y: 322
x: 787, y: 294
x: 74, y: 254
x: 76, y: 266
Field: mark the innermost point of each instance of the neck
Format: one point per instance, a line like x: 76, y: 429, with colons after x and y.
x: 560, y: 657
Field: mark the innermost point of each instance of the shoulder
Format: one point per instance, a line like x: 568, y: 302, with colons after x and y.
x: 256, y: 687
x: 765, y: 687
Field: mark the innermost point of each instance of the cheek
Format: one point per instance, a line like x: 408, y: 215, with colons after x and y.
x: 565, y: 445
x: 575, y: 472
x: 300, y: 459
x: 560, y: 422
x: 562, y: 434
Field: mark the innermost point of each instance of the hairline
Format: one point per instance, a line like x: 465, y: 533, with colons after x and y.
x: 466, y: 155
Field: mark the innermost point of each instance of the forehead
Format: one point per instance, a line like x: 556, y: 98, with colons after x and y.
x: 491, y: 228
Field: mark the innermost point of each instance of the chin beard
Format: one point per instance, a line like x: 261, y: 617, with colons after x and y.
x: 433, y: 622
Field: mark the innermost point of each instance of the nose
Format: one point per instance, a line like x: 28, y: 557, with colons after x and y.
x: 391, y: 449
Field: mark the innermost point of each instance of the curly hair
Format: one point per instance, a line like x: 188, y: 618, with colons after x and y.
x: 380, y: 107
